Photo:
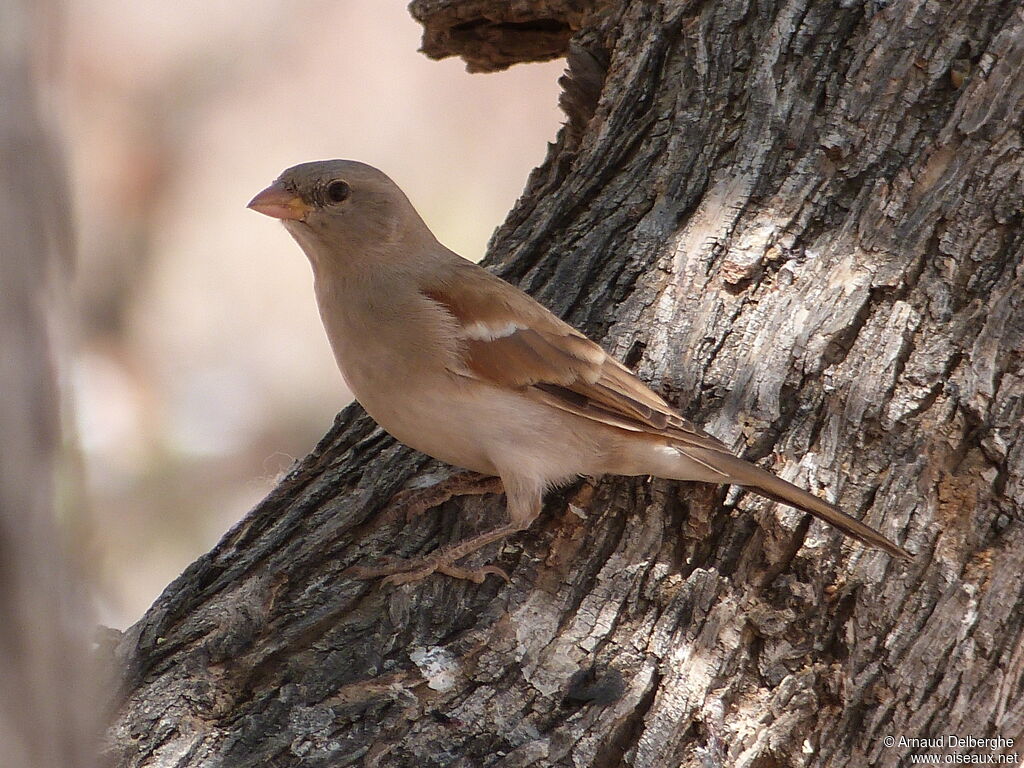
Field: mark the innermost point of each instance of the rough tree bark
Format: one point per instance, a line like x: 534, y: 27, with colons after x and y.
x: 800, y: 220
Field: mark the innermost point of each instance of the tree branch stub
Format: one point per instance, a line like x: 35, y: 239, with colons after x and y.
x: 492, y: 35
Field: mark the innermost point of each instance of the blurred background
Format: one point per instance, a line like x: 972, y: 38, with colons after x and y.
x: 201, y: 370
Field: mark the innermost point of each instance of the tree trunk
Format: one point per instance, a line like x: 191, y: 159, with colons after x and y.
x: 799, y: 221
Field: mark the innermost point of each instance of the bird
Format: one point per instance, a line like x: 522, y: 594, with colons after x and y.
x: 463, y: 366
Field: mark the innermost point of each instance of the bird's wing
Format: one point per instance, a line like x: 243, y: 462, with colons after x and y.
x: 510, y: 340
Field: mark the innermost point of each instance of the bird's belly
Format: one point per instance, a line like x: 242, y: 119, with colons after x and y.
x: 487, y: 430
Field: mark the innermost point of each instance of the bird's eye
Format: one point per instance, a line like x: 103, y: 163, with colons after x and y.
x: 337, y: 192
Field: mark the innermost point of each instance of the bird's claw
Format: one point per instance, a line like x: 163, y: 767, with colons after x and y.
x: 413, y: 502
x: 398, y: 571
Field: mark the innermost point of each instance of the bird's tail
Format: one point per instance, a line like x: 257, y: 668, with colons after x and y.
x: 766, y: 484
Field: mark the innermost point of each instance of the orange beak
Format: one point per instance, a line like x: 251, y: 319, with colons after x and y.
x: 278, y: 202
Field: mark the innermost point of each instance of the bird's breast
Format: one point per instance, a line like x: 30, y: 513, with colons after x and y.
x: 396, y: 357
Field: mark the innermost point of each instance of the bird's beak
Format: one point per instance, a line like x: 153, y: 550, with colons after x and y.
x: 278, y: 202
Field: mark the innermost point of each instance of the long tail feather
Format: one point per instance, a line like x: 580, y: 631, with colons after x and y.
x: 766, y: 484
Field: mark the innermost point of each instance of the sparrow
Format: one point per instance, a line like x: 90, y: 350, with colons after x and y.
x: 463, y: 366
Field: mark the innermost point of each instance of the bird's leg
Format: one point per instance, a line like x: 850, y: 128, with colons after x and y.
x: 415, y: 501
x: 523, y: 506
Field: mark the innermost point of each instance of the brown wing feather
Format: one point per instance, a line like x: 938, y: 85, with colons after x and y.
x: 553, y: 362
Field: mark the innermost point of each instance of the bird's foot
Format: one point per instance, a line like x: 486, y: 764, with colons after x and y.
x: 405, y: 571
x: 476, y: 575
x: 413, y: 502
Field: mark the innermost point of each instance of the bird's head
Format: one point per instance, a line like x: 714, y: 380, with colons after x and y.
x: 341, y: 210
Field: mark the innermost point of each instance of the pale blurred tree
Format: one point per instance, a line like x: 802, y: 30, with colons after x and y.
x: 47, y: 707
